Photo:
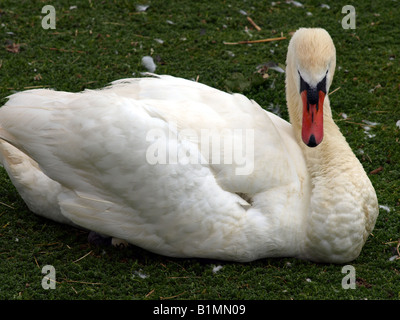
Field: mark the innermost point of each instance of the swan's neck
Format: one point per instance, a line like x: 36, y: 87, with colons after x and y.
x: 343, y: 205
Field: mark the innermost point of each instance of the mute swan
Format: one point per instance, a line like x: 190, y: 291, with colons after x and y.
x: 185, y: 170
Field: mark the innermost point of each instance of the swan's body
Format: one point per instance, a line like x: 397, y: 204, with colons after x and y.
x: 116, y: 161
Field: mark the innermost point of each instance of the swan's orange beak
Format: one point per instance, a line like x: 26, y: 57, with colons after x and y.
x: 312, y: 130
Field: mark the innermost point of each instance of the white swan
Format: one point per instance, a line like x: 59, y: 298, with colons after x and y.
x: 185, y: 170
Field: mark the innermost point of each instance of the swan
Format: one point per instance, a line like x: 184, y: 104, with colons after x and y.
x: 185, y: 170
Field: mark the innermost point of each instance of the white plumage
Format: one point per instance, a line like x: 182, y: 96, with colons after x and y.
x: 185, y: 170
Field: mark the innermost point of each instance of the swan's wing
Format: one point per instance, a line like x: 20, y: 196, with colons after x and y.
x: 111, y: 151
x: 264, y: 152
x: 96, y: 147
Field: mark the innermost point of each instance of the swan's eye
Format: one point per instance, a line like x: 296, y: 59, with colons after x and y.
x: 321, y: 86
x: 303, y: 85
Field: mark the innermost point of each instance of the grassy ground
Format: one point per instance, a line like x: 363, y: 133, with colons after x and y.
x: 100, y: 41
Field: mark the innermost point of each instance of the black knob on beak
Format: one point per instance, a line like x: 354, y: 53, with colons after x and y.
x: 312, y: 95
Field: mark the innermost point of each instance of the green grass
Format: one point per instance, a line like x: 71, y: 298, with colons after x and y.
x: 101, y: 41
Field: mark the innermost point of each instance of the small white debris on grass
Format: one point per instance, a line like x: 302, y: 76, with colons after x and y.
x: 370, y: 135
x: 369, y: 126
x: 325, y: 6
x: 272, y: 85
x: 366, y: 128
x: 370, y: 123
x: 159, y: 41
x: 248, y: 32
x: 392, y: 258
x: 274, y: 108
x: 386, y: 208
x: 277, y: 68
x: 149, y: 64
x: 140, y: 274
x: 344, y: 116
x: 295, y: 3
x: 169, y: 22
x: 216, y: 268
x: 142, y: 7
x: 398, y: 124
x: 269, y: 65
x: 376, y: 87
x: 73, y: 7
x: 243, y: 12
x: 308, y: 280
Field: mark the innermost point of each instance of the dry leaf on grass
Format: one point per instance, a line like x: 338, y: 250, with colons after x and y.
x: 13, y: 47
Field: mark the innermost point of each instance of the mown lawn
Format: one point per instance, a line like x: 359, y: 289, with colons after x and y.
x: 96, y: 42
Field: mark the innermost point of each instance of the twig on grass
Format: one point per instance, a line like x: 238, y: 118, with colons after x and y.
x: 172, y: 297
x: 255, y: 41
x: 114, y: 23
x: 253, y: 24
x: 64, y: 50
x: 187, y: 277
x: 357, y: 123
x: 333, y: 91
x: 48, y: 244
x: 375, y: 171
x: 36, y: 262
x: 140, y: 36
x: 8, y: 206
x: 83, y: 256
x: 81, y: 282
x: 36, y: 87
x: 150, y: 293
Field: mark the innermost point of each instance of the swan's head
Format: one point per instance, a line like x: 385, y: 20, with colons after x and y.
x: 311, y: 62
